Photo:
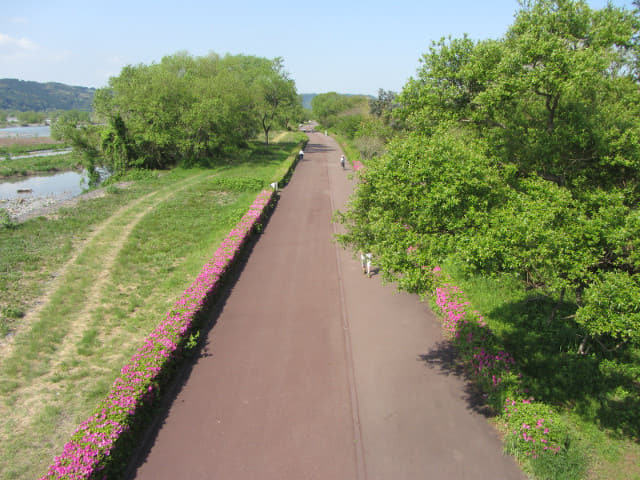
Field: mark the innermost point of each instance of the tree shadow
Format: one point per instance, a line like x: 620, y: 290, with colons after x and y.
x: 318, y: 148
x: 444, y: 357
x: 602, y: 387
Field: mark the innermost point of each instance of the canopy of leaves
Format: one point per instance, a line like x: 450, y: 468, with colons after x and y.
x: 186, y: 110
x: 341, y: 111
x: 522, y: 156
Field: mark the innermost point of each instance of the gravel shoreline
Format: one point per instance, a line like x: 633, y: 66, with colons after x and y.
x: 24, y: 208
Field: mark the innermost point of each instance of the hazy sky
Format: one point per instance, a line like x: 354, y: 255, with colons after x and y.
x: 343, y: 46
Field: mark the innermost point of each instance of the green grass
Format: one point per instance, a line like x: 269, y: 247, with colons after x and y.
x: 24, y: 166
x: 21, y: 147
x: 128, y: 256
x: 599, y: 394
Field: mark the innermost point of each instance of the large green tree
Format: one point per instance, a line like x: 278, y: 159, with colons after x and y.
x: 187, y: 110
x: 522, y: 157
x: 276, y: 99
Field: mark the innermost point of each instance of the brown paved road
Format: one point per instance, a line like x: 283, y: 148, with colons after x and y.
x: 314, y: 371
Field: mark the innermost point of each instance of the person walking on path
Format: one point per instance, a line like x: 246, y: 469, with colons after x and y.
x: 342, y: 161
x: 365, y: 260
x: 300, y: 154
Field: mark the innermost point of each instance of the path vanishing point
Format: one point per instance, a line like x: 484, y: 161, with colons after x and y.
x: 314, y: 371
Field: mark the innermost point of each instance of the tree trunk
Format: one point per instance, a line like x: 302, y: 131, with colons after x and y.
x: 581, y: 349
x: 552, y: 317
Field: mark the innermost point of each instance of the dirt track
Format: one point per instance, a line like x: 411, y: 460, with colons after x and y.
x: 314, y: 371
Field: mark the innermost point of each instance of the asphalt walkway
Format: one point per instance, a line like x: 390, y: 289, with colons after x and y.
x: 314, y: 371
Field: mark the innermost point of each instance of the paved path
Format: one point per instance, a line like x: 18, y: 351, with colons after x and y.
x: 314, y: 371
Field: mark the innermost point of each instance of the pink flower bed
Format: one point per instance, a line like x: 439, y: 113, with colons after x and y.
x: 494, y: 370
x: 357, y: 165
x: 86, y: 454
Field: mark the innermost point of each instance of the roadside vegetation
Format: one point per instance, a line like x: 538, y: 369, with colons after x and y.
x: 82, y: 289
x: 14, y: 118
x: 512, y: 167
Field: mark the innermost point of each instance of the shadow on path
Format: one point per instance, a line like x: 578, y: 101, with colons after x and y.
x: 444, y: 357
x: 318, y: 148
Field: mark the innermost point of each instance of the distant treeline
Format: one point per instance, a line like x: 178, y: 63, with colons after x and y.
x: 23, y: 96
x: 308, y: 97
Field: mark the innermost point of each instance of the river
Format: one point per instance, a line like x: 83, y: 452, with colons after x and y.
x: 65, y: 184
x: 59, y: 185
x: 28, y: 131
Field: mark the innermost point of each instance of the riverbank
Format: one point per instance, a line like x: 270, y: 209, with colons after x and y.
x: 24, y: 208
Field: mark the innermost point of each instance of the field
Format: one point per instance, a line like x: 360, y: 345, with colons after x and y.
x: 82, y: 287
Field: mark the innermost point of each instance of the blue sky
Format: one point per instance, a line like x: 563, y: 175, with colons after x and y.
x: 343, y: 46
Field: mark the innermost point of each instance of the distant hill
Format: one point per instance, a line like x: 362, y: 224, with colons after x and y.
x: 24, y: 96
x: 306, y: 99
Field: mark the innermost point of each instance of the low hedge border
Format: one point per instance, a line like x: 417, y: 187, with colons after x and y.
x: 88, y: 451
x: 101, y: 438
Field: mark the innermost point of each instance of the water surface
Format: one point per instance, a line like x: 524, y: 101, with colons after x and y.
x: 29, y: 131
x: 65, y: 184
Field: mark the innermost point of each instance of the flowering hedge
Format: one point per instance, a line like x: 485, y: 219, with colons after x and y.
x: 531, y: 428
x: 88, y: 452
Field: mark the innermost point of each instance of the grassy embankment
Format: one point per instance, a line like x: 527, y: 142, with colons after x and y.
x: 597, y: 396
x: 119, y: 263
x: 39, y: 165
x: 12, y: 147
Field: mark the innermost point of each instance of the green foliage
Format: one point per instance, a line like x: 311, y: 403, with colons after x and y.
x: 276, y: 100
x: 23, y: 166
x: 184, y: 111
x: 31, y: 117
x: 611, y: 307
x: 539, y: 438
x: 383, y: 106
x: 533, y: 429
x: 5, y: 219
x: 341, y: 112
x: 522, y: 157
x: 600, y: 392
